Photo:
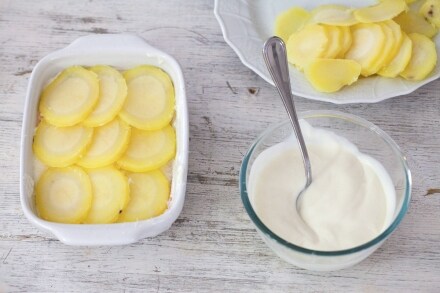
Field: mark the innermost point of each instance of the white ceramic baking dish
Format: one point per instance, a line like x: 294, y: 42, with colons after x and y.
x: 121, y: 52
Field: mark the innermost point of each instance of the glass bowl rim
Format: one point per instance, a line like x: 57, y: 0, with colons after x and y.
x: 352, y: 119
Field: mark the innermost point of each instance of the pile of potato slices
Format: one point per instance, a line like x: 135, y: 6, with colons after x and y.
x: 103, y: 138
x: 334, y: 45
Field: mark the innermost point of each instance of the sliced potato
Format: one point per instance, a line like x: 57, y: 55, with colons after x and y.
x: 397, y: 36
x: 400, y: 60
x: 110, y: 195
x: 61, y: 146
x: 290, y: 21
x: 330, y: 75
x: 423, y: 58
x: 388, y: 50
x: 109, y: 142
x: 112, y: 94
x: 150, y: 100
x: 431, y: 11
x: 149, y: 195
x: 384, y: 10
x: 307, y: 44
x: 345, y: 42
x: 149, y: 150
x: 63, y: 195
x: 367, y: 46
x: 333, y: 15
x: 335, y: 37
x: 412, y: 22
x: 70, y: 97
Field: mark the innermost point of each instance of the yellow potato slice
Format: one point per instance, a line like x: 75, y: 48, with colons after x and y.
x: 307, y: 44
x: 290, y: 21
x: 149, y: 150
x: 412, y: 22
x: 70, y: 97
x: 423, y: 58
x: 109, y: 142
x: 150, y: 99
x: 397, y: 36
x: 335, y: 37
x: 333, y: 15
x: 63, y: 195
x: 431, y: 11
x: 110, y: 195
x: 400, y: 60
x: 367, y: 46
x: 389, y: 48
x: 61, y: 146
x: 330, y: 75
x: 345, y: 42
x: 384, y: 10
x: 112, y: 94
x: 149, y: 195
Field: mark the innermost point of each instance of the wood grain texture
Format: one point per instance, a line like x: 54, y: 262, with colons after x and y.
x: 213, y: 246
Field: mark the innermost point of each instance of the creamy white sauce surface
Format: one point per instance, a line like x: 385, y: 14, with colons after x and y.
x: 350, y: 202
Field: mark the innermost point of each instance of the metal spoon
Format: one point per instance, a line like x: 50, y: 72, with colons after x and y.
x: 274, y: 52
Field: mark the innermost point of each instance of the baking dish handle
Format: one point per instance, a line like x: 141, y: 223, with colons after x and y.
x: 108, y: 41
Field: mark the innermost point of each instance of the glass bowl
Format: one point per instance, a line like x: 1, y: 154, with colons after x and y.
x: 370, y: 140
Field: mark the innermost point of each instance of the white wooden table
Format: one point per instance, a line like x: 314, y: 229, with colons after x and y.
x: 213, y: 246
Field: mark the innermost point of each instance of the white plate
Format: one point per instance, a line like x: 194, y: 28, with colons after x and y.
x: 246, y: 24
x: 122, y: 52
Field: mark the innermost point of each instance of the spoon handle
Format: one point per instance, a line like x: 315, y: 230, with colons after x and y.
x: 274, y: 52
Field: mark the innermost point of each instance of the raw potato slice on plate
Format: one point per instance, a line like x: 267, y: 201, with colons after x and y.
x: 150, y: 100
x: 149, y: 195
x: 149, y: 150
x: 110, y: 195
x: 330, y: 75
x: 307, y: 44
x: 290, y: 21
x: 109, y: 142
x: 384, y: 10
x: 70, y: 97
x: 61, y: 146
x: 412, y: 22
x: 431, y: 11
x: 112, y: 94
x: 423, y: 58
x: 400, y: 60
x: 64, y: 195
x: 333, y: 15
x: 367, y: 47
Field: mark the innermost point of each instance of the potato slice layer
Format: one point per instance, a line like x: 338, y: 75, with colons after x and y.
x: 333, y: 15
x: 423, y: 58
x: 110, y: 195
x: 400, y: 60
x: 150, y: 99
x: 307, y: 44
x: 112, y: 94
x: 384, y: 10
x: 431, y: 11
x: 149, y: 195
x: 345, y: 42
x: 290, y: 21
x: 70, y: 97
x: 330, y: 75
x: 412, y: 22
x: 149, y: 150
x: 61, y: 146
x: 64, y: 195
x: 109, y: 142
x: 367, y: 47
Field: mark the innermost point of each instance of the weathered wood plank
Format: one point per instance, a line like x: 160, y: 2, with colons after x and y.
x: 213, y: 246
